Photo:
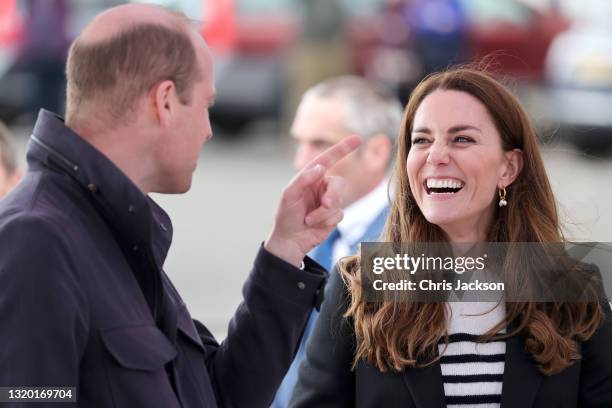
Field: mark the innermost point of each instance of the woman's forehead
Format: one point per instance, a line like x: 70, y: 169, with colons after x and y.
x: 450, y: 108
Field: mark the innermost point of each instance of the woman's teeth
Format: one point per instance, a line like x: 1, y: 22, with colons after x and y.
x: 443, y: 186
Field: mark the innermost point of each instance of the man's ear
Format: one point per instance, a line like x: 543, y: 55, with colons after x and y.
x: 164, y: 99
x: 377, y: 151
x: 513, y: 167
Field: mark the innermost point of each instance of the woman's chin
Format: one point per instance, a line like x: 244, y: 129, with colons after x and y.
x: 442, y: 219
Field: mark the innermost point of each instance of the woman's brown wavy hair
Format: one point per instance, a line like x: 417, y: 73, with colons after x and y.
x: 396, y: 335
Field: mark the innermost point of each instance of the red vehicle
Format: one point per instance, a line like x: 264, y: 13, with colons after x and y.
x: 249, y: 26
x: 10, y: 24
x: 508, y: 36
x: 20, y: 81
x: 251, y: 37
x: 519, y: 35
x: 250, y: 40
x: 10, y: 35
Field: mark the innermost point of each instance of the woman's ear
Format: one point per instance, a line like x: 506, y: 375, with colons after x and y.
x: 513, y: 166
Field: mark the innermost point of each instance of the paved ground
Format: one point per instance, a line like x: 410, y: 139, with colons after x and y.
x: 221, y: 222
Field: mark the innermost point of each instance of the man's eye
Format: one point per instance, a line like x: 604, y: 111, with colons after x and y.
x: 321, y: 145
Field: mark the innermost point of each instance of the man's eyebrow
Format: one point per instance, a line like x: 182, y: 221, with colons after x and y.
x: 317, y: 141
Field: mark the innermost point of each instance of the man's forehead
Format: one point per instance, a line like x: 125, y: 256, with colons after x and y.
x: 319, y: 117
x: 315, y: 132
x: 209, y: 82
x: 204, y: 57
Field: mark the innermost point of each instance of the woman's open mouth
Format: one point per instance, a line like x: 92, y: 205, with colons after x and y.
x: 447, y: 186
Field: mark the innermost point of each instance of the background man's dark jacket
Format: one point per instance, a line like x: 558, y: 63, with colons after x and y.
x: 84, y: 301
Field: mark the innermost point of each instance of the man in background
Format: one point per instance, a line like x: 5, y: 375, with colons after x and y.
x: 9, y: 172
x: 328, y: 112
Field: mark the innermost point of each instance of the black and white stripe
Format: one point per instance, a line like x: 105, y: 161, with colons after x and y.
x: 472, y: 371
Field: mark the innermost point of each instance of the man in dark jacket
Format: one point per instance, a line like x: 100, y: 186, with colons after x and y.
x: 84, y: 302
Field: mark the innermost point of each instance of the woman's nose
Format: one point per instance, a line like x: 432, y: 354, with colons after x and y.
x: 438, y: 153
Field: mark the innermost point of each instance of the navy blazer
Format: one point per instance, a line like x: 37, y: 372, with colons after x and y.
x: 326, y: 379
x: 84, y: 301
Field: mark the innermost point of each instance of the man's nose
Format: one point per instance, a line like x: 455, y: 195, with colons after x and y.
x: 303, y: 156
x: 208, y: 132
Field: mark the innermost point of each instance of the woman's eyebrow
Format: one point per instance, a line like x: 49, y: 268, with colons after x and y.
x: 421, y: 130
x: 454, y: 129
x: 460, y: 128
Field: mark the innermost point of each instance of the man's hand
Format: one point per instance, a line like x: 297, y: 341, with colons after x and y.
x: 310, y: 206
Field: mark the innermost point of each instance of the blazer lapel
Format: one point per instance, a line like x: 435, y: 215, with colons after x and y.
x: 521, y: 376
x: 425, y: 386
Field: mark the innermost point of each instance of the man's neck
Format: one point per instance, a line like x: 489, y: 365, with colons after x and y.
x: 122, y: 146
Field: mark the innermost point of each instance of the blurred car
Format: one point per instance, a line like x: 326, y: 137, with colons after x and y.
x: 11, y: 97
x: 18, y: 80
x: 508, y: 37
x: 518, y: 35
x: 251, y: 42
x: 579, y: 74
x: 250, y: 39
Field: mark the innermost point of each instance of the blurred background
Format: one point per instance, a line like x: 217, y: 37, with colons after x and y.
x: 556, y: 55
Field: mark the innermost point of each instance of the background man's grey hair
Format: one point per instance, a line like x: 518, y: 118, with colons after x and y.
x: 8, y: 156
x: 370, y: 108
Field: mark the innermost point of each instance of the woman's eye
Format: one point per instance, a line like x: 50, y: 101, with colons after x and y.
x: 419, y: 140
x: 463, y: 139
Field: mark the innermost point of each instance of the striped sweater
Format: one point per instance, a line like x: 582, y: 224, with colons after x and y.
x: 472, y: 372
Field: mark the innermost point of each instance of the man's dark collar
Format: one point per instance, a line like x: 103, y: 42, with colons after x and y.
x: 117, y: 198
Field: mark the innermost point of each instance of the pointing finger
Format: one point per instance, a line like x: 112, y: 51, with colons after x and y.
x: 332, y: 196
x: 305, y: 178
x: 335, y: 153
x: 330, y: 201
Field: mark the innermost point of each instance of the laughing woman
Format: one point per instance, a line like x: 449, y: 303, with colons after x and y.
x: 462, y: 129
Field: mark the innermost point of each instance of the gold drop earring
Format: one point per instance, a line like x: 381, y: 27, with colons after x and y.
x: 502, y: 197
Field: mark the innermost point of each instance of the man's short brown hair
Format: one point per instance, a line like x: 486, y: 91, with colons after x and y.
x: 113, y: 74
